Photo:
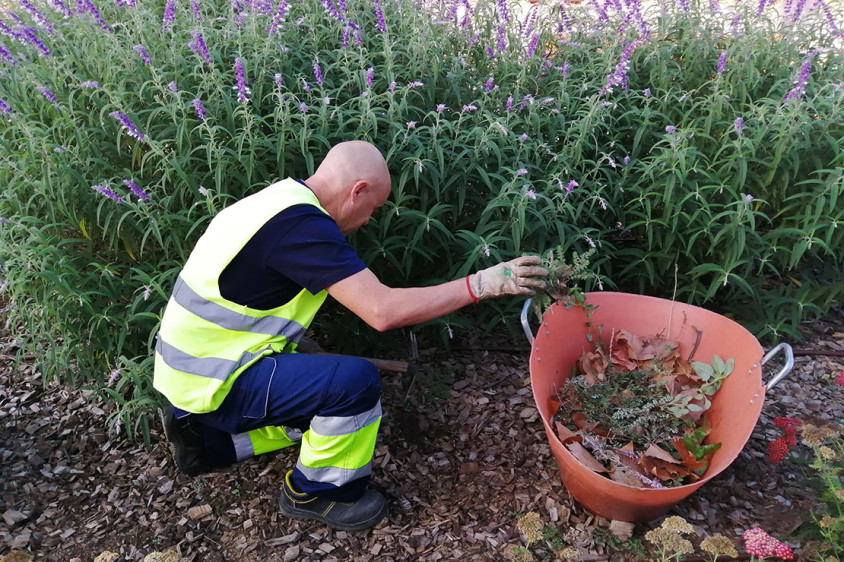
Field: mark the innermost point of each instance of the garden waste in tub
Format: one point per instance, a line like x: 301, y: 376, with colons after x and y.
x: 635, y: 410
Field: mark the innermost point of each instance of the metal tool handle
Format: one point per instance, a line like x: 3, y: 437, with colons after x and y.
x: 789, y: 363
x: 525, y: 322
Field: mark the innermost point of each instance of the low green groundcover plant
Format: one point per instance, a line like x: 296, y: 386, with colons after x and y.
x: 698, y: 135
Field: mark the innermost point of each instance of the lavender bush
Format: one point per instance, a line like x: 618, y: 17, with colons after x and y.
x: 657, y: 134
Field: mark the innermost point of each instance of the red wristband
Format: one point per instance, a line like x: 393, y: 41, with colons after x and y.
x: 471, y: 294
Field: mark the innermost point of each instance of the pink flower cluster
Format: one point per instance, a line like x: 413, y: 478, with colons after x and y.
x: 761, y: 545
x: 779, y: 447
x: 841, y: 378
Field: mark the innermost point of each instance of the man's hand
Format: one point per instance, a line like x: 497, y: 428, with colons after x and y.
x: 514, y: 277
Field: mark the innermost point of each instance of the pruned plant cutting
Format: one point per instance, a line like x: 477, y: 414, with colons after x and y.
x: 635, y: 410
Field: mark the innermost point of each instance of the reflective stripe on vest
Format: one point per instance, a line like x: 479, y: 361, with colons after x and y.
x: 205, y: 340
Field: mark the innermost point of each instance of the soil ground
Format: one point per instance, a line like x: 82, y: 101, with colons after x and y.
x: 462, y: 457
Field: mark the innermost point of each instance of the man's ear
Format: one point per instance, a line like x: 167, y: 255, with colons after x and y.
x: 359, y: 189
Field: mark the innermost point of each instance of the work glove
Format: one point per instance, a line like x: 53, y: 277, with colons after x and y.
x: 514, y: 277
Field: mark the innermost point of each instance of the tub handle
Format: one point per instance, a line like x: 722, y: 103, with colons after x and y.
x: 525, y: 322
x: 789, y: 363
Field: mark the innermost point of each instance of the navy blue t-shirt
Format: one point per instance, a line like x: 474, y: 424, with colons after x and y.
x: 301, y: 247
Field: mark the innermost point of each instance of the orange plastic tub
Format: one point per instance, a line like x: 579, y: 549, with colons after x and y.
x: 559, y: 342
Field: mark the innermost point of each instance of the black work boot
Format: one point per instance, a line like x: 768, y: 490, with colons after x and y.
x: 186, y: 445
x: 354, y: 516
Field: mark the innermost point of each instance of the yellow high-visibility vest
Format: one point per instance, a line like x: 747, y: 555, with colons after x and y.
x: 205, y: 340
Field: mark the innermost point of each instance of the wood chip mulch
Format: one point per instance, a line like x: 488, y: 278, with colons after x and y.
x: 462, y: 455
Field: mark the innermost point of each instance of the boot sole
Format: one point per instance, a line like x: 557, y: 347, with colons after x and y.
x: 310, y: 515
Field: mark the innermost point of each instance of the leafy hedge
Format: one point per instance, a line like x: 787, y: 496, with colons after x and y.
x: 688, y: 151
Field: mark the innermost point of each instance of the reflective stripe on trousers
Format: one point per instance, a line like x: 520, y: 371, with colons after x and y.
x: 264, y: 440
x: 336, y: 450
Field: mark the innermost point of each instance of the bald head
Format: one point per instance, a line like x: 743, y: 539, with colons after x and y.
x: 351, y: 182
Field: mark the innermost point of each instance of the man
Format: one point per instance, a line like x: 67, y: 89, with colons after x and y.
x: 226, y: 356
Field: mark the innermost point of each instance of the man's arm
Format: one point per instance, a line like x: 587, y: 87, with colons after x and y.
x: 385, y: 308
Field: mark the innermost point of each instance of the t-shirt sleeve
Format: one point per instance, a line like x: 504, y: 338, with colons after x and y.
x: 313, y: 252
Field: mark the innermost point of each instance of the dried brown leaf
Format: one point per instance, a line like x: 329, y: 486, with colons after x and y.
x: 586, y: 458
x: 658, y: 452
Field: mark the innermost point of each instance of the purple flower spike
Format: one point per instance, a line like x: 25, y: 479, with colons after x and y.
x: 139, y: 193
x: 502, y: 38
x: 509, y: 105
x: 242, y: 91
x: 142, y: 52
x: 440, y: 108
x: 532, y: 46
x: 722, y: 62
x: 87, y: 6
x: 28, y: 36
x: 104, y: 190
x: 469, y: 108
x: 370, y: 76
x: 199, y: 47
x: 521, y: 172
x: 619, y: 77
x: 379, y: 14
x: 739, y: 126
x: 317, y: 73
x: 489, y: 84
x: 566, y: 68
x: 735, y: 25
x: 47, y: 94
x: 4, y: 109
x: 303, y: 107
x: 169, y: 15
x: 278, y: 79
x: 197, y: 15
x: 670, y: 129
x: 415, y: 84
x: 305, y: 86
x: 5, y: 54
x: 571, y: 185
x: 62, y: 7
x: 199, y: 107
x: 173, y: 87
x: 501, y: 7
x: 37, y: 16
x: 278, y: 17
x: 830, y: 19
x: 626, y: 161
x: 800, y: 83
x: 90, y: 84
x: 684, y: 5
x: 127, y: 124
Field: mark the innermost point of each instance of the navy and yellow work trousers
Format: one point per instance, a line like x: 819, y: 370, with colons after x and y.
x: 329, y: 404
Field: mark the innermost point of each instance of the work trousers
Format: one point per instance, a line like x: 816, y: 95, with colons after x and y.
x: 329, y: 404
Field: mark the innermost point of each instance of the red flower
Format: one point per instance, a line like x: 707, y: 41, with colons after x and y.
x: 841, y: 378
x: 778, y: 449
x: 760, y: 544
x: 789, y: 425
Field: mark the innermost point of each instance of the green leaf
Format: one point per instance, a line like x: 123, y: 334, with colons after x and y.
x: 703, y: 370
